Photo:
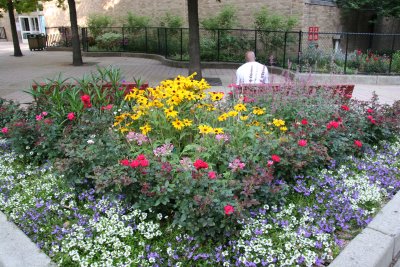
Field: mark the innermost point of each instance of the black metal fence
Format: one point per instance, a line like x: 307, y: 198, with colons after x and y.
x: 347, y: 53
x: 59, y: 36
x: 3, y: 34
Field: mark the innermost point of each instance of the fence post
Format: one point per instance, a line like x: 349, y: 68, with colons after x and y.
x: 158, y: 41
x: 84, y: 39
x: 123, y: 39
x: 218, y: 44
x: 391, y: 54
x: 284, y: 51
x: 299, y: 49
x: 145, y: 40
x: 166, y: 43
x: 181, y: 44
x: 345, y: 57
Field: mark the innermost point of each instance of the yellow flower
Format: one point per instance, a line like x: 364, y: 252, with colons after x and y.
x: 232, y: 113
x: 136, y: 116
x: 244, y: 118
x: 145, y: 129
x: 218, y: 130
x: 187, y: 122
x: 216, y: 96
x: 200, y: 96
x: 267, y: 132
x: 278, y: 123
x: 190, y: 96
x: 223, y: 117
x: 205, y: 129
x: 123, y: 130
x: 283, y: 129
x: 174, y: 100
x: 240, y: 107
x: 258, y: 111
x: 178, y: 124
x: 170, y: 112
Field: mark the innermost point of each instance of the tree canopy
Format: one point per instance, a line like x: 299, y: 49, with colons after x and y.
x: 386, y: 8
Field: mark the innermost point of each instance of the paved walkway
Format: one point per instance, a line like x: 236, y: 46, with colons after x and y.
x: 17, y: 74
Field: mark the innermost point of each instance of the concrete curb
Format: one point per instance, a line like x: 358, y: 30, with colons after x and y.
x: 17, y: 250
x: 378, y: 245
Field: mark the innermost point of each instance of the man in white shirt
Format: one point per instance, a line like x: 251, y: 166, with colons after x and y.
x: 251, y: 72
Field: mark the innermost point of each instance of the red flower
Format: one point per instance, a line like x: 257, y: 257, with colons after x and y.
x: 134, y: 164
x: 370, y: 110
x: 359, y: 52
x: 86, y: 101
x: 4, y: 130
x: 48, y: 121
x: 332, y: 124
x: 345, y: 108
x: 304, y: 121
x: 124, y: 162
x: 144, y: 163
x: 212, y: 175
x: 199, y: 164
x: 141, y: 157
x: 358, y: 143
x: 302, y: 142
x: 371, y: 119
x: 229, y: 209
x: 71, y: 116
x: 276, y: 158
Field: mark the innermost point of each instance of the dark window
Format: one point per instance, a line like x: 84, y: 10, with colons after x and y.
x: 323, y: 2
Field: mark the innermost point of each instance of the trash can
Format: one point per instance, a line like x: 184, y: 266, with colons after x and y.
x: 36, y: 41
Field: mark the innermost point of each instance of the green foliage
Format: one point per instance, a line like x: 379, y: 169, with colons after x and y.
x: 136, y: 21
x: 171, y: 21
x: 109, y: 41
x: 396, y: 62
x: 266, y: 23
x: 97, y: 23
x: 225, y: 19
x: 386, y: 8
x: 25, y: 6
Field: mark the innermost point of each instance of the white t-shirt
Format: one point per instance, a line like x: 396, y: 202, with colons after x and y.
x: 252, y: 73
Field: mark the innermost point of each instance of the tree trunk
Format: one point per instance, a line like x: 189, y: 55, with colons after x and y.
x: 17, y: 49
x: 194, y: 38
x: 76, y: 45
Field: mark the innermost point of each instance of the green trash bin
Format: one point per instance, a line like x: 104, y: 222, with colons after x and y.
x: 36, y: 41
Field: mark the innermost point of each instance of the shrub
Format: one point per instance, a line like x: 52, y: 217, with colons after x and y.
x: 171, y: 21
x: 109, y: 41
x: 225, y: 19
x: 396, y: 62
x: 136, y: 21
x: 97, y: 23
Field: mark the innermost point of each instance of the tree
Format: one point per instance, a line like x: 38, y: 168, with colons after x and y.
x: 384, y: 8
x: 25, y: 6
x: 194, y: 37
x: 76, y: 44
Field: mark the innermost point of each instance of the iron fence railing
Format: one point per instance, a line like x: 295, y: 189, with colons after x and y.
x: 3, y: 34
x: 348, y: 53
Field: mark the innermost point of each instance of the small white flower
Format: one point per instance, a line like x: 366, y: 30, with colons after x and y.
x: 90, y: 141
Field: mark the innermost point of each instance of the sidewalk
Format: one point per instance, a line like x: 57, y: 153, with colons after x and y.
x: 17, y: 74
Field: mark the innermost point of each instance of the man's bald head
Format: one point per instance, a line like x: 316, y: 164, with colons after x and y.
x: 250, y: 56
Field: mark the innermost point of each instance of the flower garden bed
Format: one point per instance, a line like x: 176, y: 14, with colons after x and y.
x: 174, y: 176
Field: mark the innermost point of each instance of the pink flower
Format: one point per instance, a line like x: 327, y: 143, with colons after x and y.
x: 276, y: 158
x: 358, y: 143
x: 270, y: 163
x: 212, y: 175
x: 4, y: 130
x: 345, y: 108
x: 39, y: 117
x: 71, y: 116
x: 370, y: 110
x: 304, y: 121
x: 229, y: 209
x: 236, y: 165
x: 199, y: 164
x: 108, y: 107
x: 302, y: 142
x: 44, y: 113
x: 124, y: 162
x: 86, y: 101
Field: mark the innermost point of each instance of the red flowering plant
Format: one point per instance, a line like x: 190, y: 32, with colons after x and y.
x: 368, y: 61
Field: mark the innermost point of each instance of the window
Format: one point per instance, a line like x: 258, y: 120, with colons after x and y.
x: 323, y: 2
